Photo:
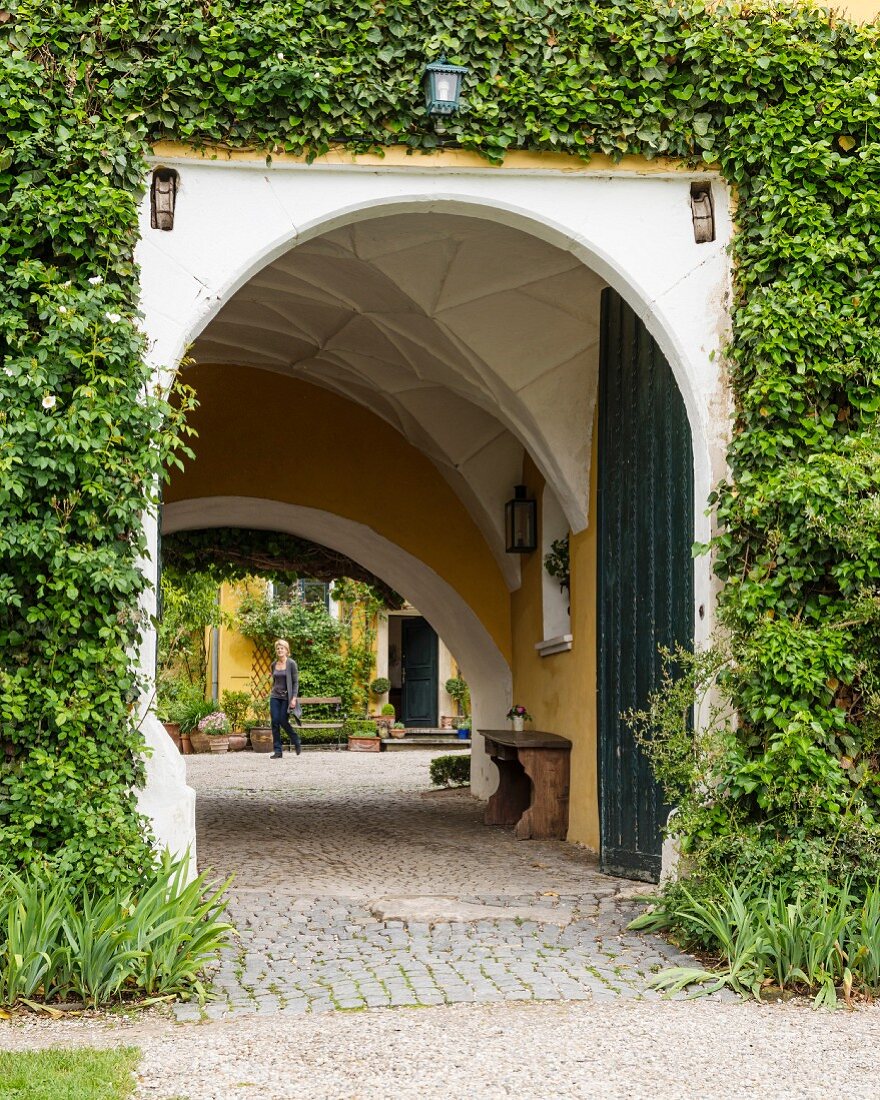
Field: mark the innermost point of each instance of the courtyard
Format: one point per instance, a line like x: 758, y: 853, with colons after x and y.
x: 391, y: 945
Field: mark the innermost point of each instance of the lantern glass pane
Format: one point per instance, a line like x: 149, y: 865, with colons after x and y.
x: 444, y: 87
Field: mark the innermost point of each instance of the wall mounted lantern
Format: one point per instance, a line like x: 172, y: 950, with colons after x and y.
x: 521, y: 523
x: 443, y: 86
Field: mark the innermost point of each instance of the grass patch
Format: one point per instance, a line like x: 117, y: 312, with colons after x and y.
x: 68, y: 1074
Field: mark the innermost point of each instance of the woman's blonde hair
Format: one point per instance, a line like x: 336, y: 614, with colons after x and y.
x: 284, y: 642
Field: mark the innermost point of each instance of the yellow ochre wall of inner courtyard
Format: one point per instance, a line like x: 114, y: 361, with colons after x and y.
x: 261, y: 434
x: 559, y: 691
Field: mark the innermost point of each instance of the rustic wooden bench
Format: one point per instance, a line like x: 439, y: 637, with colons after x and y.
x: 533, y: 789
x: 326, y: 724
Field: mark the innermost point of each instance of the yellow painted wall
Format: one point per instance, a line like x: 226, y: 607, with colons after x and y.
x: 261, y: 434
x: 559, y: 691
x: 236, y: 651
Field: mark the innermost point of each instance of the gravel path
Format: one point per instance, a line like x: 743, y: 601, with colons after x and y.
x: 616, y: 1051
x: 370, y: 911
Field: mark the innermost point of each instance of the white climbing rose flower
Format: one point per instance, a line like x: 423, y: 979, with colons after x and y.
x: 96, y: 280
x: 113, y: 318
x: 62, y: 309
x: 49, y: 401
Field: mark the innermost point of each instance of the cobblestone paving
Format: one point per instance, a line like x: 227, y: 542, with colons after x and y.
x: 327, y: 846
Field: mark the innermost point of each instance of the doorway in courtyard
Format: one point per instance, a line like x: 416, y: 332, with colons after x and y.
x: 385, y: 388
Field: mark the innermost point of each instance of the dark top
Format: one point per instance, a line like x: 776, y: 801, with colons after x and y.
x: 285, y: 683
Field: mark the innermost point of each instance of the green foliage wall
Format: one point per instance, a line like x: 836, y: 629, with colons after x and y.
x: 785, y: 100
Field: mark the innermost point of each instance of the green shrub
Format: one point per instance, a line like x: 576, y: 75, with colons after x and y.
x: 360, y: 727
x: 321, y: 736
x: 236, y: 706
x: 820, y: 942
x: 380, y: 685
x: 388, y: 709
x: 60, y: 940
x: 195, y: 710
x: 453, y: 770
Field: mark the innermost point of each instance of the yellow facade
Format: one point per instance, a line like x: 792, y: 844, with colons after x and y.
x: 559, y: 691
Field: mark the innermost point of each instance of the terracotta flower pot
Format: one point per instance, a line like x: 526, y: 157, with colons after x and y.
x: 201, y: 742
x: 219, y: 744
x: 186, y: 744
x: 397, y: 733
x: 237, y: 741
x: 173, y: 730
x: 261, y: 739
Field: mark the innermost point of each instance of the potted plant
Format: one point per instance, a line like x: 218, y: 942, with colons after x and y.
x: 189, y: 717
x: 457, y: 688
x: 380, y: 686
x: 518, y: 715
x: 398, y: 730
x: 236, y: 706
x: 385, y: 719
x: 463, y: 729
x: 215, y: 727
x: 259, y: 734
x: 363, y: 735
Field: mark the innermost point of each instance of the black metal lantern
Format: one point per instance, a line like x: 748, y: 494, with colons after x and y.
x: 521, y: 523
x: 443, y: 86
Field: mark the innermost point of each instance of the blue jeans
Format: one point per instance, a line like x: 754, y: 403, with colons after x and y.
x: 278, y: 708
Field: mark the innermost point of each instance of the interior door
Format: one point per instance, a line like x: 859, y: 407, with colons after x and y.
x: 645, y: 581
x: 419, y: 659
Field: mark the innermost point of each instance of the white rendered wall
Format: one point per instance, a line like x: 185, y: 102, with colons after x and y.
x: 633, y: 230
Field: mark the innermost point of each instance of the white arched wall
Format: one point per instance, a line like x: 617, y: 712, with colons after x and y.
x: 479, y: 658
x: 632, y: 227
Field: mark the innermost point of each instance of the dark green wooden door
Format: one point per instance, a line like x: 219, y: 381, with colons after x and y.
x: 645, y: 581
x: 419, y: 655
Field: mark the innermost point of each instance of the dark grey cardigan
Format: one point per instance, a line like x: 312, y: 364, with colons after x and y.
x: 292, y: 684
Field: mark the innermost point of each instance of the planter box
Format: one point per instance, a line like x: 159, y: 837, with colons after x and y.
x: 364, y: 744
x: 219, y: 744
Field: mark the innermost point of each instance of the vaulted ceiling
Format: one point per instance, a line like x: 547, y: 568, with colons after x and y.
x: 476, y: 341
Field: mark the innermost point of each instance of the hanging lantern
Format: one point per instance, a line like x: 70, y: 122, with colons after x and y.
x: 521, y: 523
x: 443, y: 86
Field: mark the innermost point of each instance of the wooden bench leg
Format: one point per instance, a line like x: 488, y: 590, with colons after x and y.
x: 507, y: 805
x: 546, y: 818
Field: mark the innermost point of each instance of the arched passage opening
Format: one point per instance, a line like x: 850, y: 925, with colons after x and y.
x: 381, y: 387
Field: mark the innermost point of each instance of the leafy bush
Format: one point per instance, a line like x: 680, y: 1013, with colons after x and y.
x: 236, y: 706
x: 360, y: 727
x: 820, y: 943
x: 388, y: 710
x: 59, y: 939
x: 192, y: 714
x: 453, y: 770
x: 380, y: 685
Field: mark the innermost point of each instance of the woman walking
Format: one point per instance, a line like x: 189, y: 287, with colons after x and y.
x: 283, y: 701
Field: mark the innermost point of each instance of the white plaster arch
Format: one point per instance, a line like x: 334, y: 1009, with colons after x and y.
x: 634, y: 230
x: 482, y: 663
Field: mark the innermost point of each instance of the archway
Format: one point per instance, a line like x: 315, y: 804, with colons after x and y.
x: 475, y: 342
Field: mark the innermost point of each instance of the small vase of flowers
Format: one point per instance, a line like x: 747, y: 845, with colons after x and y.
x: 518, y: 715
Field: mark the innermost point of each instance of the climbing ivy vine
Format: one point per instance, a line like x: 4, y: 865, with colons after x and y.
x: 783, y: 99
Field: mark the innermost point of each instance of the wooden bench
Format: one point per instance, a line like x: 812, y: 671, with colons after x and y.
x: 533, y: 789
x: 327, y: 724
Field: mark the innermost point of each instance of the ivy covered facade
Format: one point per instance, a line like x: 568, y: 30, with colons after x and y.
x: 781, y: 100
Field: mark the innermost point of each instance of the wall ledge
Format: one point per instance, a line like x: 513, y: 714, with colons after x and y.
x: 560, y: 644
